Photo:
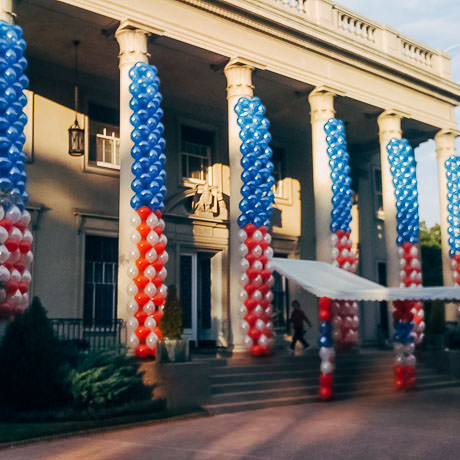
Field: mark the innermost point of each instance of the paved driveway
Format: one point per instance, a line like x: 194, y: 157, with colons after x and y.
x: 423, y: 425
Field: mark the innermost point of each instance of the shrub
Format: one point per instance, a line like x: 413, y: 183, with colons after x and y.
x: 103, y: 379
x: 171, y: 322
x: 31, y: 361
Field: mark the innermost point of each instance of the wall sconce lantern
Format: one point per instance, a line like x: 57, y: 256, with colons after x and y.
x: 76, y: 134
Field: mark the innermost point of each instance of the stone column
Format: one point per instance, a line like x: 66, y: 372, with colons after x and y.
x: 389, y: 127
x: 133, y: 48
x: 6, y: 11
x: 239, y: 84
x: 321, y: 109
x: 445, y: 147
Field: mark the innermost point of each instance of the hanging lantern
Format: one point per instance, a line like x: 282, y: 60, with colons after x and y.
x: 76, y: 140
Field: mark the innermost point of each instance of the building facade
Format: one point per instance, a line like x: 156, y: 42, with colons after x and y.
x: 307, y: 60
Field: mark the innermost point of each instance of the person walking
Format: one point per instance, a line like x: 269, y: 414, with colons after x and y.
x: 297, y: 319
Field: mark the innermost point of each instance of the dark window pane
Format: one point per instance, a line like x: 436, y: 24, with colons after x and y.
x: 186, y: 290
x: 197, y: 136
x: 205, y: 269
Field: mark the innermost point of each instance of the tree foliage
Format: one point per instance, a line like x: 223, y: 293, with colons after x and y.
x: 171, y: 322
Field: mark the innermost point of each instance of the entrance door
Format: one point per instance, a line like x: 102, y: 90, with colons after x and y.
x: 195, y: 296
x: 280, y: 301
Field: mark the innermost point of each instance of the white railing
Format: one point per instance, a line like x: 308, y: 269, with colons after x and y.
x: 352, y: 27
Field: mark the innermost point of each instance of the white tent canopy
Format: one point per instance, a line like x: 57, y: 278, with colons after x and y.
x: 324, y: 280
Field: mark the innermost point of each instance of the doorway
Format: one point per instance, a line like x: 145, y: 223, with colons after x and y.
x: 199, y: 282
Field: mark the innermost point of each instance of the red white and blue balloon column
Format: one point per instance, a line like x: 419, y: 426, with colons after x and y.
x: 15, y: 235
x: 407, y: 315
x: 345, y: 319
x: 256, y: 207
x: 452, y: 166
x: 148, y: 255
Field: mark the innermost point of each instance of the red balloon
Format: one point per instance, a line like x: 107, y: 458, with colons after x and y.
x: 6, y: 224
x: 144, y: 230
x: 257, y: 350
x: 144, y: 246
x: 251, y: 303
x: 142, y: 263
x: 325, y: 393
x: 157, y: 316
x: 159, y: 248
x: 141, y: 316
x: 19, y: 266
x: 141, y: 298
x: 157, y: 281
x: 23, y: 286
x: 264, y: 288
x: 340, y: 234
x: 251, y: 243
x: 141, y: 281
x: 264, y: 260
x: 158, y: 299
x: 158, y: 333
x: 11, y: 244
x: 325, y: 303
x: 254, y: 333
x: 399, y: 372
x: 12, y: 286
x: 251, y: 318
x: 264, y: 244
x: 250, y: 288
x: 410, y: 382
x: 158, y: 213
x: 142, y: 332
x: 264, y: 303
x: 157, y: 265
x: 399, y: 383
x: 144, y: 212
x: 324, y: 315
x: 24, y: 246
x: 143, y: 351
x: 250, y: 257
x: 325, y: 380
x: 265, y: 274
x: 252, y: 273
x: 158, y: 231
x: 250, y: 229
x: 410, y: 371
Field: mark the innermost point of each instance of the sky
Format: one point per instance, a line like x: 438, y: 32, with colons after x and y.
x: 435, y: 23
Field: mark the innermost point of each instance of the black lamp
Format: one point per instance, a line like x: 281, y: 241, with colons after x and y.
x: 76, y: 134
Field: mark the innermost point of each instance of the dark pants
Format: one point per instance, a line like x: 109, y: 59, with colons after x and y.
x: 298, y: 335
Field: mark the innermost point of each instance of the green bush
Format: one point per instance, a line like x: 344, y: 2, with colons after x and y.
x: 103, y: 379
x: 171, y: 322
x: 31, y: 361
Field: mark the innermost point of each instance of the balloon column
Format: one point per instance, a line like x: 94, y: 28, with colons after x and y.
x: 15, y: 235
x: 256, y: 207
x: 452, y: 165
x: 407, y: 315
x: 148, y: 256
x: 345, y: 319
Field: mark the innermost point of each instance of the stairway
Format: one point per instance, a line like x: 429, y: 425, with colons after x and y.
x: 254, y: 383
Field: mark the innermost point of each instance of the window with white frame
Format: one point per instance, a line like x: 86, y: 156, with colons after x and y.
x: 104, y: 137
x: 196, y: 149
x: 278, y: 160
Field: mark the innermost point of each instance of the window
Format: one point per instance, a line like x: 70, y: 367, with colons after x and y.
x: 104, y: 137
x: 378, y: 192
x: 279, y: 173
x: 101, y: 271
x: 196, y: 146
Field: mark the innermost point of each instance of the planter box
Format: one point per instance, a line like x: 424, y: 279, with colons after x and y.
x: 184, y: 386
x: 173, y: 351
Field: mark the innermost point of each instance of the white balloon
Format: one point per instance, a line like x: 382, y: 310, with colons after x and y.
x: 149, y: 308
x: 161, y: 224
x: 25, y: 218
x: 247, y: 342
x: 244, y: 265
x: 402, y: 275
x: 134, y: 254
x: 243, y: 250
x: 269, y: 266
x: 152, y: 220
x: 150, y: 272
x: 244, y: 279
x: 260, y: 325
x: 2, y: 213
x: 131, y: 289
x: 132, y: 307
x: 263, y: 340
x: 257, y: 295
x: 150, y: 289
x: 132, y: 324
x: 242, y: 235
x: 243, y: 295
x: 243, y: 310
x: 13, y: 214
x: 414, y: 251
x: 133, y: 341
x: 135, y: 237
x: 27, y: 236
x: 5, y: 274
x: 257, y: 281
x: 16, y: 298
x: 153, y: 237
x: 151, y: 340
x: 268, y: 252
x: 151, y: 256
x: 415, y: 263
x: 245, y: 326
x: 269, y: 296
x: 163, y: 290
x: 326, y: 367
x: 269, y: 326
x: 402, y: 262
x: 257, y: 265
x: 335, y: 253
x: 400, y: 251
x: 3, y: 234
x: 163, y: 273
x: 29, y: 258
x: 4, y: 254
x: 257, y: 236
x: 269, y: 310
x: 257, y: 251
x: 258, y: 311
x: 150, y: 323
x: 26, y: 276
x: 15, y: 256
x: 268, y: 238
x: 271, y: 281
x: 410, y: 360
x: 164, y: 257
x: 15, y: 234
x: 3, y: 295
x: 163, y: 239
x: 334, y: 238
x: 135, y: 220
x: 15, y: 275
x: 326, y: 353
x: 132, y: 271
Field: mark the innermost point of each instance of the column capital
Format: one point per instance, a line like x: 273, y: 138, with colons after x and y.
x: 133, y: 44
x: 445, y: 143
x: 321, y: 101
x: 389, y: 123
x: 239, y: 78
